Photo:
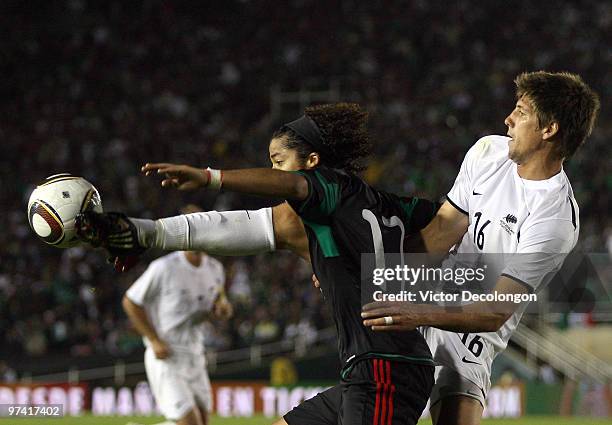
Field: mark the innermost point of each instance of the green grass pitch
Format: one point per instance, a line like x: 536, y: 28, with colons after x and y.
x: 260, y: 420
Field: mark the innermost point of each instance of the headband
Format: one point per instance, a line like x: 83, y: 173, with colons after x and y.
x: 307, y: 129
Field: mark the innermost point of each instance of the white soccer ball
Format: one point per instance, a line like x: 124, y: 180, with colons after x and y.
x: 54, y: 205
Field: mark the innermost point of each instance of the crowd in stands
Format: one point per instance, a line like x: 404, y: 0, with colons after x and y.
x: 97, y: 89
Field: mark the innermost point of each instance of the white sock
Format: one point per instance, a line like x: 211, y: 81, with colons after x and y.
x: 222, y: 233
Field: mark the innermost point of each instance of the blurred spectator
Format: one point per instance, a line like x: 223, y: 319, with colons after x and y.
x: 7, y: 374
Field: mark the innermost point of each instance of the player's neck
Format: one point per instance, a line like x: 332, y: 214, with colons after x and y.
x: 193, y: 257
x: 539, y: 167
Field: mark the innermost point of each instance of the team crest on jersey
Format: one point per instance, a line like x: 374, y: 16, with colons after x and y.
x: 507, y: 222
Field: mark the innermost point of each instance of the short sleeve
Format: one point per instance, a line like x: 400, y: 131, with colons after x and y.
x: 324, y: 194
x: 419, y: 212
x: 540, y: 253
x: 146, y: 286
x: 459, y: 194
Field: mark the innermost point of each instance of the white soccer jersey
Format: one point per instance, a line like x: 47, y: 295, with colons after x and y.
x: 507, y: 214
x: 176, y: 296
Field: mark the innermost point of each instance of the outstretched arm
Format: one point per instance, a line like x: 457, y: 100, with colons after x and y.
x: 255, y: 181
x: 224, y: 233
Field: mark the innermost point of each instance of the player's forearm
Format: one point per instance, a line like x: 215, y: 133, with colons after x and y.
x: 477, y: 317
x: 481, y: 316
x: 218, y: 233
x: 467, y: 322
x: 266, y: 182
x: 139, y: 319
x: 406, y: 316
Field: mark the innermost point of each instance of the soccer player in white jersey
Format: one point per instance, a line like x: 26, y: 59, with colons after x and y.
x: 511, y: 196
x: 167, y: 305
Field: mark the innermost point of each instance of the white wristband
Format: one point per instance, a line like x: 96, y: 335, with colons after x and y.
x: 215, y: 179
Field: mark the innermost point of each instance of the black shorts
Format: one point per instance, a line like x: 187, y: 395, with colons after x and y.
x: 376, y: 392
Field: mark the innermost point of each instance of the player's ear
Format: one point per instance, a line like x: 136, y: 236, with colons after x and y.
x: 550, y: 130
x: 313, y: 160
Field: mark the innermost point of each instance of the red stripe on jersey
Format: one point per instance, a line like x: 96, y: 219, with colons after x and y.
x: 378, y: 387
x: 385, y: 391
x: 391, y: 391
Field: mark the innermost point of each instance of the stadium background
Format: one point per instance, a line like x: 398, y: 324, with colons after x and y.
x: 98, y: 88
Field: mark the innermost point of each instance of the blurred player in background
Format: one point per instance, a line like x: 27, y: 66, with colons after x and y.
x: 167, y: 305
x: 511, y: 196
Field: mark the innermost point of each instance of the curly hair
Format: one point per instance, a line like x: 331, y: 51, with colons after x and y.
x: 564, y: 98
x: 345, y: 136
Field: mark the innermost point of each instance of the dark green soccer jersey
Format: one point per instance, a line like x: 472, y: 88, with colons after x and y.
x: 343, y: 218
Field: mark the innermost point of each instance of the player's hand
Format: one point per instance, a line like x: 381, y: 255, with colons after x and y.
x: 223, y: 310
x: 160, y: 348
x: 376, y: 315
x: 316, y: 282
x: 181, y: 177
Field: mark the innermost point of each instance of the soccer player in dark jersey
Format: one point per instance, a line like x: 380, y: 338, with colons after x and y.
x: 385, y: 377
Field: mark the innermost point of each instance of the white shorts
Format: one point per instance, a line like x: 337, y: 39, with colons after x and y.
x: 450, y: 383
x: 178, y: 383
x: 463, y: 367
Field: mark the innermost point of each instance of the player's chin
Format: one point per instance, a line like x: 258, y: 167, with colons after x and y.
x: 512, y: 152
x: 511, y: 144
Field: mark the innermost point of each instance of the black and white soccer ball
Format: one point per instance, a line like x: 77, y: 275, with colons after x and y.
x: 54, y: 205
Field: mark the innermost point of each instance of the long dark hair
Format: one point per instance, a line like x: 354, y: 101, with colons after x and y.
x: 345, y: 136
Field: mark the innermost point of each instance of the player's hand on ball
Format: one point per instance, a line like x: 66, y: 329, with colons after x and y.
x: 389, y: 316
x: 161, y: 349
x: 181, y: 177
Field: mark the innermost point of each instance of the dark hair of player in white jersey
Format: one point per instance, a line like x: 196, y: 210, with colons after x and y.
x: 335, y: 134
x: 565, y: 98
